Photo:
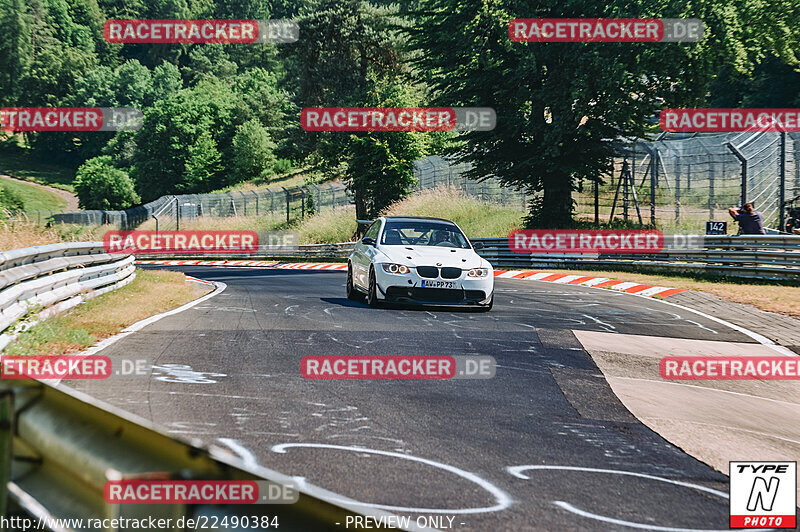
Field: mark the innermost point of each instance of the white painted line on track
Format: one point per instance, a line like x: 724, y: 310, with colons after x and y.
x: 241, y: 451
x: 502, y: 499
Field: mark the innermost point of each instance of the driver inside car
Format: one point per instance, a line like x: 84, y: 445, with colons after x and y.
x: 440, y: 237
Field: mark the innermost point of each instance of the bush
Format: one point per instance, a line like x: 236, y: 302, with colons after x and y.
x: 283, y: 166
x: 253, y: 151
x: 10, y: 201
x: 100, y: 185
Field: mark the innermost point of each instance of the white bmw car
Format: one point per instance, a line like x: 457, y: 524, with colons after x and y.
x: 418, y: 260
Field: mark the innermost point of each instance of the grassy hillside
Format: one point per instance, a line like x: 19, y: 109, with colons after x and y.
x: 35, y: 198
x: 18, y: 163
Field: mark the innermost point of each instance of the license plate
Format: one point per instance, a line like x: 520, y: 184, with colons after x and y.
x: 438, y: 284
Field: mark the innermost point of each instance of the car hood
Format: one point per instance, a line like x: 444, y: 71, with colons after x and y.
x: 431, y: 255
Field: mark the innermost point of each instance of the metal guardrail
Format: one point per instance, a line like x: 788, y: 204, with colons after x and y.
x: 54, y: 277
x: 336, y: 251
x: 63, y: 446
x: 773, y: 257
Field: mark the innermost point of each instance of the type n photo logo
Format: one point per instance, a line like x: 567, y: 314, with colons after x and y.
x: 763, y: 494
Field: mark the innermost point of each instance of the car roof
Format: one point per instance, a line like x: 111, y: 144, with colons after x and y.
x: 416, y: 218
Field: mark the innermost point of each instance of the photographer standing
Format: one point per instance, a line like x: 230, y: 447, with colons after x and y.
x: 750, y: 220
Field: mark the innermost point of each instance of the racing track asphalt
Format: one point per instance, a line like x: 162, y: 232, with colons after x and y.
x: 227, y: 371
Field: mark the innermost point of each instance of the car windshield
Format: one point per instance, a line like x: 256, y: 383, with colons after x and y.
x: 421, y: 233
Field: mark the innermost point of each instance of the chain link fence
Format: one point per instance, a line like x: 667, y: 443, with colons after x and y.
x: 676, y: 182
x: 167, y: 212
x: 435, y: 171
x: 285, y: 203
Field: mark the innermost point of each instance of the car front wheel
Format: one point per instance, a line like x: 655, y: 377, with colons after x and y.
x: 352, y: 293
x: 372, y: 295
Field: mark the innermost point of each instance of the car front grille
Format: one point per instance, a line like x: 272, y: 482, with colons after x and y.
x: 431, y: 272
x: 451, y: 273
x: 434, y: 295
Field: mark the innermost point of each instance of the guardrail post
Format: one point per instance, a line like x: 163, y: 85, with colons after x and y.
x: 653, y: 184
x: 6, y: 451
x: 710, y: 189
x: 286, y: 193
x: 782, y: 184
x: 743, y: 163
x: 677, y: 190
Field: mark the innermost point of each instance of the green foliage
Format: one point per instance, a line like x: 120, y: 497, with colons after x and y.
x: 219, y: 113
x: 15, y: 48
x: 10, y: 200
x: 203, y: 164
x: 100, y: 185
x: 253, y: 151
x: 560, y: 105
x: 173, y: 126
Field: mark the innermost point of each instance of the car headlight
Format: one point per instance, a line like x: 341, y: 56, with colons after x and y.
x: 398, y: 269
x: 478, y: 272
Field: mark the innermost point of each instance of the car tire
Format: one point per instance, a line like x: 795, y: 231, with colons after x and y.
x: 352, y: 292
x: 372, y: 295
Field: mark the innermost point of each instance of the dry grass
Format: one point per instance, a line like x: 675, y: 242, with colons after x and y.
x: 267, y: 222
x: 150, y: 293
x: 779, y: 298
x: 478, y: 219
x: 331, y: 225
x: 18, y: 232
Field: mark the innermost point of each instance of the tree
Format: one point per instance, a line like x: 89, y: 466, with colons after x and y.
x: 100, y: 185
x: 560, y: 106
x: 166, y: 81
x: 348, y: 53
x: 253, y: 151
x: 134, y: 84
x: 202, y: 166
x: 174, y: 125
x: 15, y: 48
x: 380, y: 164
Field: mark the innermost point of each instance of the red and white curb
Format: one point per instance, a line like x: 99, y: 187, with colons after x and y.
x: 559, y: 278
x: 236, y: 263
x: 196, y: 280
x: 596, y: 282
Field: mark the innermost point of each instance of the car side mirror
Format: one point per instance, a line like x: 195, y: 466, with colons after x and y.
x: 477, y: 245
x: 367, y: 241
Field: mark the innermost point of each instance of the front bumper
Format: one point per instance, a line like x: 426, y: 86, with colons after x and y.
x: 407, y: 288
